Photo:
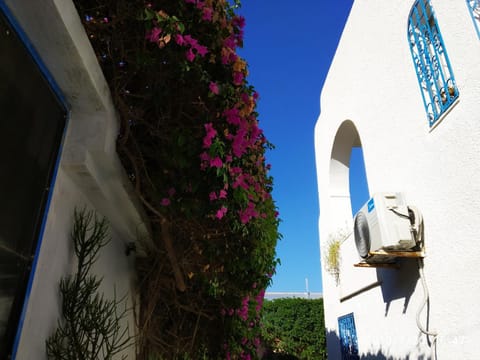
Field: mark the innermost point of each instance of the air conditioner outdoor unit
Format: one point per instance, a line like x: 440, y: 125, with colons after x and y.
x: 383, y: 223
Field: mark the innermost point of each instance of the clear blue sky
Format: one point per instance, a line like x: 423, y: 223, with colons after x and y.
x: 289, y: 46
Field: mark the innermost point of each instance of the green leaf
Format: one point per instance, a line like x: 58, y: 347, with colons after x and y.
x: 181, y: 27
x: 149, y: 14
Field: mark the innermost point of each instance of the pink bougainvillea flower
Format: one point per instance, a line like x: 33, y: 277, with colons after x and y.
x: 261, y: 294
x: 240, y: 182
x: 202, y: 50
x: 216, y: 162
x: 207, y: 142
x: 235, y: 170
x: 239, y: 21
x: 165, y: 202
x: 222, y: 194
x: 255, y: 134
x: 180, y: 40
x: 213, y: 87
x: 244, y: 218
x: 154, y: 34
x: 207, y: 14
x: 239, y: 37
x: 221, y: 212
x: 200, y: 4
x: 239, y: 146
x: 247, y: 214
x: 212, y: 196
x: 211, y: 133
x: 204, y: 156
x: 230, y: 42
x: 190, y: 55
x: 233, y: 57
x: 190, y: 41
x: 232, y: 116
x: 238, y: 77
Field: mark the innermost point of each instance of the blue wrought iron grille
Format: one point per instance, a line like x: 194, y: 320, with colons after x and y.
x: 348, y: 337
x: 435, y: 75
x: 474, y: 7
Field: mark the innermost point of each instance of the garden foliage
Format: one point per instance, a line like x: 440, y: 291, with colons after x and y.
x: 295, y: 327
x: 91, y: 325
x: 192, y: 147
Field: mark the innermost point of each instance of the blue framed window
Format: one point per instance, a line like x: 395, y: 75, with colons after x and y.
x: 348, y: 337
x: 32, y: 121
x: 474, y: 7
x: 434, y: 73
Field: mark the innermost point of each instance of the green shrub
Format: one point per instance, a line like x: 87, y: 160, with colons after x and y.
x: 295, y: 327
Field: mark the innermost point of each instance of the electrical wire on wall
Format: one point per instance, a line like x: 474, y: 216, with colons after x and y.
x: 417, y: 231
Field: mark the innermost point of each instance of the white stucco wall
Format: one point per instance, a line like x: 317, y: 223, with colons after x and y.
x: 89, y: 174
x: 372, y: 83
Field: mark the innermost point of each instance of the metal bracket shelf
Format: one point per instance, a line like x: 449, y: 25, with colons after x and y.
x: 388, y: 259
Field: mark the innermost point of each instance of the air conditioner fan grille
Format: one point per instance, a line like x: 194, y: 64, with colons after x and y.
x: 362, y: 235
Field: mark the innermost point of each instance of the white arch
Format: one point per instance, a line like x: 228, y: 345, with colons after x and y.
x: 339, y: 203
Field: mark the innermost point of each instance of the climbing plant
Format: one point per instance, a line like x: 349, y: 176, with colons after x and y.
x: 191, y: 144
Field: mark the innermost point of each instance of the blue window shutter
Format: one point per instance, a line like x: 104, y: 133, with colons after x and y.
x: 348, y: 337
x: 430, y: 59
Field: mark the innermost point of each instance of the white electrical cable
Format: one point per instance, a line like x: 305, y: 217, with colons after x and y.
x: 418, y: 233
x: 431, y: 333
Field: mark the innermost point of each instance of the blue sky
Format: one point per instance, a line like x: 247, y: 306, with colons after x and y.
x: 289, y: 47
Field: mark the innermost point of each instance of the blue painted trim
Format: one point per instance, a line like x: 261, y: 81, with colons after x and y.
x: 63, y: 102
x: 348, y: 337
x: 31, y: 278
x: 35, y: 56
x: 472, y: 6
x: 371, y: 205
x: 430, y: 60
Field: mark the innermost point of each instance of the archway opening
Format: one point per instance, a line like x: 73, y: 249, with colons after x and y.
x: 359, y: 193
x: 348, y: 189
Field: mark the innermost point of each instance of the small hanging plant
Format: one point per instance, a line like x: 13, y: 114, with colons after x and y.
x: 332, y: 255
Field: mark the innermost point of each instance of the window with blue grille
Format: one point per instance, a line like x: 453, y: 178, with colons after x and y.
x: 474, y: 7
x: 348, y: 337
x: 435, y: 75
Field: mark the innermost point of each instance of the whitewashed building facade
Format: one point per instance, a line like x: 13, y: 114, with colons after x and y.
x: 59, y: 131
x: 404, y: 86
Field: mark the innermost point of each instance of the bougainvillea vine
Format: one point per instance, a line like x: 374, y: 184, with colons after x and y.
x: 191, y: 144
